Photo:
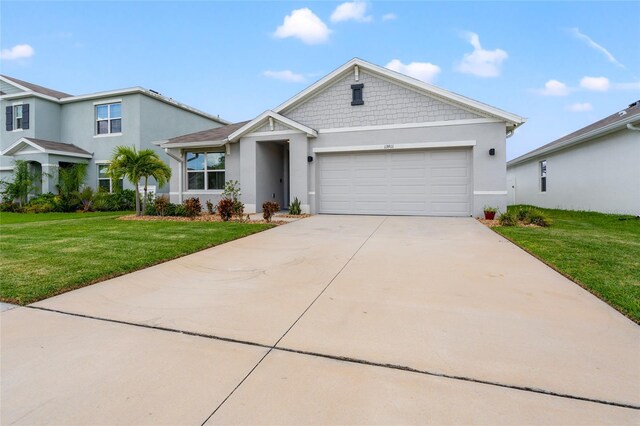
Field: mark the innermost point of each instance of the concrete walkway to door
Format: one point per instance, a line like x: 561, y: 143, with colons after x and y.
x: 328, y: 320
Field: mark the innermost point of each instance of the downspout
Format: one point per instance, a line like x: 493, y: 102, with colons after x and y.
x: 180, y: 163
x: 632, y: 127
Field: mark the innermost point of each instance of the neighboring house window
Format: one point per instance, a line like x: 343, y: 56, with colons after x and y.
x: 205, y: 170
x: 543, y: 176
x: 356, y: 94
x: 17, y: 117
x: 104, y: 181
x: 108, y: 118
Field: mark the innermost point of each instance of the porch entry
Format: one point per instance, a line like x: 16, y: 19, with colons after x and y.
x: 272, y: 173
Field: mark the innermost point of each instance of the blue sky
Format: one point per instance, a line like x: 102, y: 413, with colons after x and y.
x: 562, y: 65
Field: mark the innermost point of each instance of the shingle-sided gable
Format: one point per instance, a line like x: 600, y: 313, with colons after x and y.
x: 385, y: 102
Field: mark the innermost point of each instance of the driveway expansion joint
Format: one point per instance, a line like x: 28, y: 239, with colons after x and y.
x: 339, y: 358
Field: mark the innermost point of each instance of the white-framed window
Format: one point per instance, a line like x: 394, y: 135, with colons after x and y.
x: 17, y: 117
x: 104, y: 181
x: 205, y: 170
x: 109, y: 118
x: 543, y: 176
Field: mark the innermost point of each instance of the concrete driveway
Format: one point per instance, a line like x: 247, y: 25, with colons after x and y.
x: 331, y: 319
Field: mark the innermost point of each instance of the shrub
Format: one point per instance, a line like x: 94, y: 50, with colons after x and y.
x: 86, y: 198
x: 522, y: 213
x: 294, y: 207
x: 209, y: 206
x: 160, y: 205
x: 123, y: 200
x: 8, y: 206
x: 43, y: 203
x: 537, y: 217
x: 225, y: 208
x: 231, y: 190
x: 268, y: 209
x: 192, y: 207
x: 490, y: 209
x: 508, y: 218
x: 180, y: 210
x: 238, y: 209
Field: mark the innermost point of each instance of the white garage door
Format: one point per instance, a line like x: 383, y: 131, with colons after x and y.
x: 434, y: 182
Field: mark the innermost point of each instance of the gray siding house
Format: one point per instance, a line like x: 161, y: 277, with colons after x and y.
x: 52, y: 129
x: 594, y: 168
x: 362, y: 140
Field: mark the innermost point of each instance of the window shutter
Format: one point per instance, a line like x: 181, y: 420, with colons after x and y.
x: 25, y: 116
x: 9, y: 118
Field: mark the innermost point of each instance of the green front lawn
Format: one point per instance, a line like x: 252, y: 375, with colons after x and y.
x: 42, y: 255
x: 599, y: 251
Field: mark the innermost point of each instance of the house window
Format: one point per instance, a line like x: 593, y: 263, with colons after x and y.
x: 356, y: 94
x: 105, y: 184
x: 17, y: 117
x: 205, y: 171
x: 543, y: 176
x: 108, y: 118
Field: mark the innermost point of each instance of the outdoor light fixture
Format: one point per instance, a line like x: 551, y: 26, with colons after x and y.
x: 492, y: 151
x: 309, y: 159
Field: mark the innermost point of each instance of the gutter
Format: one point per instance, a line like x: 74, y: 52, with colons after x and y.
x: 632, y: 127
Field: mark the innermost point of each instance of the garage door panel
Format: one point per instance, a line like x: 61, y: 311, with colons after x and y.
x: 425, y: 182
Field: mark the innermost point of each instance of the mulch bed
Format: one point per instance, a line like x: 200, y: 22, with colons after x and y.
x: 493, y: 223
x: 201, y: 218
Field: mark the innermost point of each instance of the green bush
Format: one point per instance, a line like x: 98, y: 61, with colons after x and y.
x: 268, y: 209
x: 179, y: 210
x: 537, y: 217
x: 508, y: 218
x: 522, y: 213
x: 43, y: 203
x: 294, y: 207
x: 8, y: 206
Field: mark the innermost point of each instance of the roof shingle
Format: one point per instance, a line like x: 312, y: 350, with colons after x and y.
x: 39, y: 89
x: 58, y: 146
x: 217, y: 134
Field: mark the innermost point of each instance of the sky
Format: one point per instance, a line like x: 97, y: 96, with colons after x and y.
x: 561, y: 65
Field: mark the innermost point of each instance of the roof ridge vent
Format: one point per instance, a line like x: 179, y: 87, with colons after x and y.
x: 634, y: 104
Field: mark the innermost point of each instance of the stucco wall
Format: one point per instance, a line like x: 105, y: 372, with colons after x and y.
x: 489, y: 172
x: 599, y: 175
x: 384, y: 103
x: 8, y: 138
x: 269, y: 173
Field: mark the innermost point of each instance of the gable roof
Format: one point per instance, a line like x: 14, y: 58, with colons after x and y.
x: 30, y: 87
x: 218, y: 134
x: 512, y: 120
x: 608, y: 124
x: 47, y: 147
x: 259, y: 120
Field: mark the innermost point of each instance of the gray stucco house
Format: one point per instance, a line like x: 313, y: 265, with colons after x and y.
x: 361, y: 140
x: 52, y: 129
x: 594, y: 168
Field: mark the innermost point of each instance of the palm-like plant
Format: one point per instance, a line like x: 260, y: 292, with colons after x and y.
x: 136, y: 165
x: 156, y: 168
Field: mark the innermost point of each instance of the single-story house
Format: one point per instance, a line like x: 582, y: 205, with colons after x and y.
x: 361, y: 140
x: 595, y: 168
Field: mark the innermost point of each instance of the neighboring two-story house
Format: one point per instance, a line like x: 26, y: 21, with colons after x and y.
x: 51, y: 129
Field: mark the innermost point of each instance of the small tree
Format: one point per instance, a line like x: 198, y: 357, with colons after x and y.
x: 24, y: 182
x: 136, y: 165
x: 70, y: 179
x: 154, y: 167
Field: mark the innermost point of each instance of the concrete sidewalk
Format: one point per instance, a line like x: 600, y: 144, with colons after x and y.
x: 332, y: 320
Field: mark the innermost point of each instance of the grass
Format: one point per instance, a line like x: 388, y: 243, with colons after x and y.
x: 42, y: 255
x: 601, y: 252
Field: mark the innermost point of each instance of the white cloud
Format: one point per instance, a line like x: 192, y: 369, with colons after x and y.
x: 389, y: 17
x: 481, y: 62
x: 19, y: 51
x: 592, y: 44
x: 351, y: 11
x: 304, y: 25
x: 285, y: 75
x: 595, y: 84
x: 424, y: 71
x: 554, y: 88
x: 580, y: 107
